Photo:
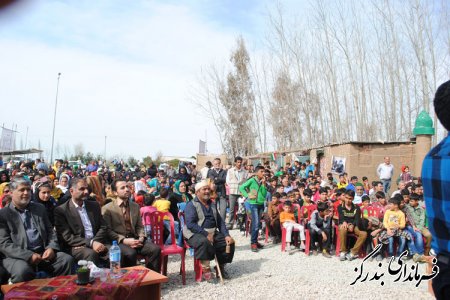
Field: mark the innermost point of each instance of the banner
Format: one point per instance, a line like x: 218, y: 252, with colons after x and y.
x: 201, y: 147
x: 7, y: 140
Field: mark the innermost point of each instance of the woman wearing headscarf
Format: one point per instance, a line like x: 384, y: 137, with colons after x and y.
x: 43, y: 196
x: 64, y: 181
x: 4, y: 190
x: 56, y: 192
x: 184, y: 176
x: 178, y: 198
x: 4, y: 176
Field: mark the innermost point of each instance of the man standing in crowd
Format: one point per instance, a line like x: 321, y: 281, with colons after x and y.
x: 27, y: 238
x: 385, y: 171
x: 206, y: 232
x: 80, y: 226
x: 219, y: 177
x: 235, y: 177
x: 436, y: 187
x: 123, y: 218
x: 204, y: 171
x: 255, y: 190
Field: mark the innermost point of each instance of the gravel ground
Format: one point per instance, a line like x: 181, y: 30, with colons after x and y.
x: 272, y: 274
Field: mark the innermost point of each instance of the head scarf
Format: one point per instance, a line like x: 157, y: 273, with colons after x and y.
x: 2, y: 187
x: 64, y: 188
x: 177, y: 190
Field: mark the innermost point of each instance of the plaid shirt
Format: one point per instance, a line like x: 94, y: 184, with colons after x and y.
x: 436, y: 186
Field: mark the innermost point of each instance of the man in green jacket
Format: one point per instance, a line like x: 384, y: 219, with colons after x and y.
x: 255, y: 191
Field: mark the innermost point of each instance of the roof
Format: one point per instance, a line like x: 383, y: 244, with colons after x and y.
x: 19, y: 152
x: 266, y: 154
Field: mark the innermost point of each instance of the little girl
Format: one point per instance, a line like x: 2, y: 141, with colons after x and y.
x: 287, y: 220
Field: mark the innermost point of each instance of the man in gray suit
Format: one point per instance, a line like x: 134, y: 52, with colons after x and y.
x: 28, y: 241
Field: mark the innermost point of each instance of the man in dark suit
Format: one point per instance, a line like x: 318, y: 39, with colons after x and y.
x: 27, y: 239
x: 80, y: 226
x: 219, y: 177
x: 123, y: 217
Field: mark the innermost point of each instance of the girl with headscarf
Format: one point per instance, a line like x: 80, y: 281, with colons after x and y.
x: 43, y: 196
x: 64, y: 181
x: 55, y: 192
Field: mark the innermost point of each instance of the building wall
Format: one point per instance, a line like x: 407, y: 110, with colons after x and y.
x: 203, y: 158
x: 363, y: 160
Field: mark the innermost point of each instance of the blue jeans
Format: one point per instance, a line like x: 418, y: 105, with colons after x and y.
x: 176, y: 228
x: 386, y: 185
x: 416, y: 242
x: 401, y: 245
x: 256, y: 211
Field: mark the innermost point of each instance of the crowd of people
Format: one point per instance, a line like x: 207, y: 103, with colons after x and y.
x: 81, y: 211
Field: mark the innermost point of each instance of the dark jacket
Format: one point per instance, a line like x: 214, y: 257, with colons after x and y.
x: 70, y: 229
x: 219, y: 179
x: 49, y: 206
x: 13, y: 239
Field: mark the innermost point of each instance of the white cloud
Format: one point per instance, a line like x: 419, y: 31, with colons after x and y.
x: 125, y: 74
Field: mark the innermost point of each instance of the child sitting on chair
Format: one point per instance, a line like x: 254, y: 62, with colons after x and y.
x: 146, y: 210
x: 287, y: 220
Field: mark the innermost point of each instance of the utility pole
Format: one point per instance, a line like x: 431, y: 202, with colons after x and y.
x: 54, y: 120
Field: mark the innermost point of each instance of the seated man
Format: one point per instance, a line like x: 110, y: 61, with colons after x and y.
x: 349, y: 217
x: 123, y: 218
x: 80, y: 226
x: 27, y: 239
x: 206, y: 232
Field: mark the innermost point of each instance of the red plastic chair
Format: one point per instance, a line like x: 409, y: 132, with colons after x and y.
x: 308, y: 210
x: 283, y: 230
x: 157, y: 221
x: 197, y: 264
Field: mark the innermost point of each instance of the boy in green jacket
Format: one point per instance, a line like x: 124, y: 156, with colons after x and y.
x: 254, y: 189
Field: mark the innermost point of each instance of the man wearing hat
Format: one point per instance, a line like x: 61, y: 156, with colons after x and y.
x: 206, y: 232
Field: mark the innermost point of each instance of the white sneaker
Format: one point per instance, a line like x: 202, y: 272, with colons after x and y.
x: 243, y: 233
x: 342, y: 256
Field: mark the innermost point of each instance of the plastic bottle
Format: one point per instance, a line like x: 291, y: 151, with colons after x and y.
x: 114, y: 259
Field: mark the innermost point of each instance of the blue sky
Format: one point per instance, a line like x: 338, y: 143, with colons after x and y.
x: 126, y: 66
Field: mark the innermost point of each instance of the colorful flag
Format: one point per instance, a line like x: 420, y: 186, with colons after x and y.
x: 274, y: 156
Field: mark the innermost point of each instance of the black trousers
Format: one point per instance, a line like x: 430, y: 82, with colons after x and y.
x: 150, y: 250
x: 21, y: 270
x: 204, y: 250
x: 275, y: 229
x: 441, y: 283
x: 316, y: 237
